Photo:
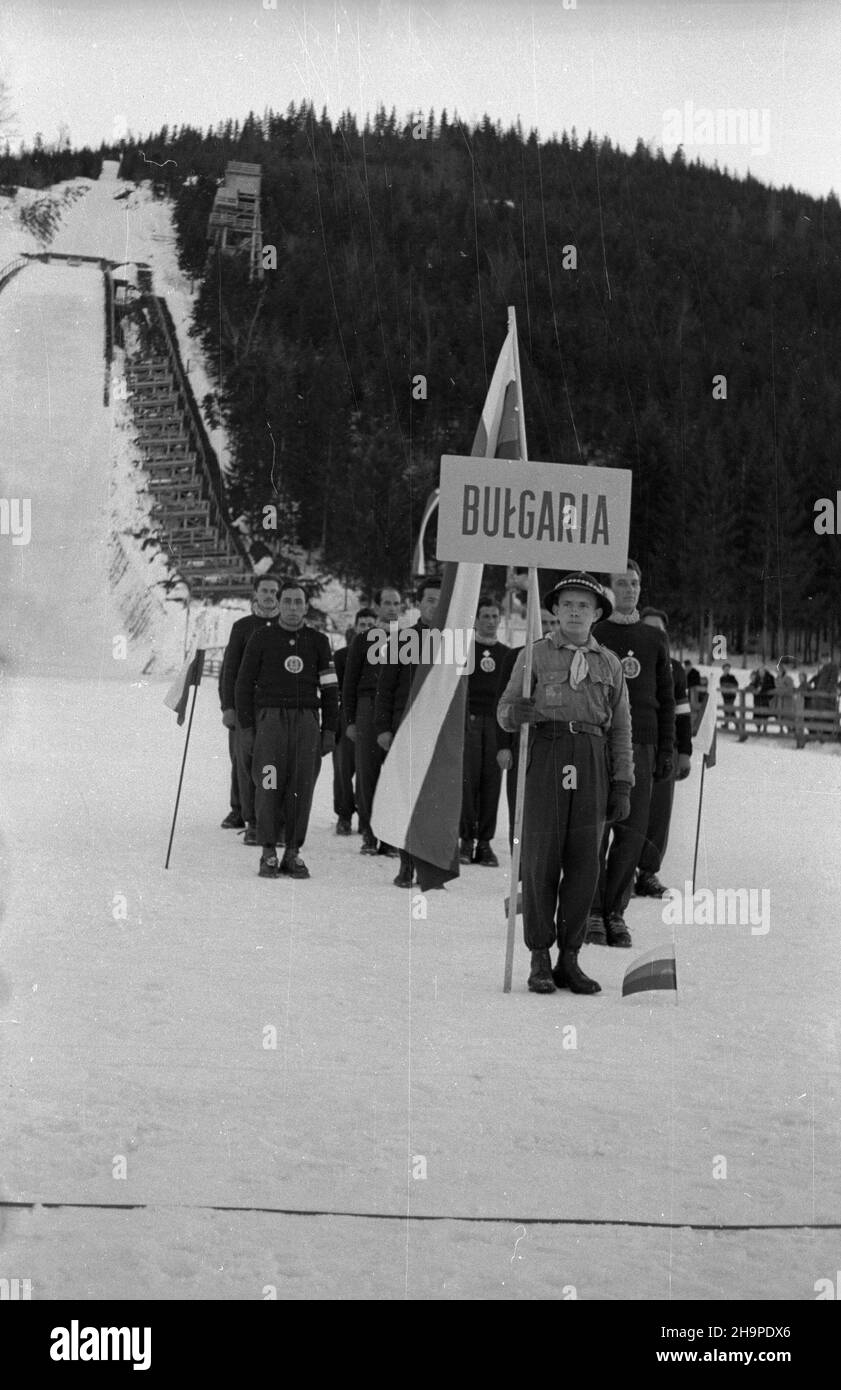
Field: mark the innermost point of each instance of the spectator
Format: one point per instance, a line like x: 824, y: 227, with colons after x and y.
x: 728, y: 685
x: 762, y: 686
x: 783, y: 698
x: 693, y: 677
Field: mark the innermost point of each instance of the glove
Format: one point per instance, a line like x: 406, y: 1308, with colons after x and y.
x: 618, y: 803
x: 351, y: 732
x: 522, y: 711
x: 328, y: 742
x: 384, y: 740
x: 663, y: 767
x: 505, y: 759
x: 229, y: 718
x: 684, y: 766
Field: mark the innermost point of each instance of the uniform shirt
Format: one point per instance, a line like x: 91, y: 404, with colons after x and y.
x: 483, y: 681
x: 601, y: 698
x: 644, y: 654
x: 237, y: 642
x: 282, y: 669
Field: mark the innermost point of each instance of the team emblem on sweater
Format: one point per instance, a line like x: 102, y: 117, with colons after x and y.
x: 630, y: 666
x: 294, y: 665
x: 487, y: 663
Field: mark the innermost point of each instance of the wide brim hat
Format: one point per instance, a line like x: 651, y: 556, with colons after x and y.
x: 580, y: 580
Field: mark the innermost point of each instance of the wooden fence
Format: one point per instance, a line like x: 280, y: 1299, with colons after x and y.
x: 801, y: 720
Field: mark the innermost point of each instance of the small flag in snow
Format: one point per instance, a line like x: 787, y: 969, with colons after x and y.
x: 654, y: 969
x: 190, y: 674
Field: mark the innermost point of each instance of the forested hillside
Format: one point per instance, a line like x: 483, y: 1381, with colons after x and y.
x: 637, y: 281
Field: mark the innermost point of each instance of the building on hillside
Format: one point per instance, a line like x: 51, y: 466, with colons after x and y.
x: 234, y: 224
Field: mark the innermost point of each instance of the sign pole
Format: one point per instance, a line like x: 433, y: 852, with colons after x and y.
x: 522, y: 757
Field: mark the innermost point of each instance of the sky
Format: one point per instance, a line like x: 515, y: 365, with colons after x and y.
x: 666, y: 71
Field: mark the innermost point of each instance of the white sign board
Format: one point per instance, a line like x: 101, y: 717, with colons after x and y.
x: 549, y: 515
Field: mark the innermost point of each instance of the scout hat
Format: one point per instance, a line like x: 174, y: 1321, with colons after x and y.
x: 580, y: 580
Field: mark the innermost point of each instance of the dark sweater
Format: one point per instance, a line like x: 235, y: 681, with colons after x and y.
x: 269, y: 677
x: 237, y: 642
x: 644, y: 653
x: 360, y: 676
x: 393, y: 686
x: 483, y: 681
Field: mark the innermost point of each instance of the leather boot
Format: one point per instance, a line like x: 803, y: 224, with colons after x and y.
x: 540, y: 979
x: 574, y: 976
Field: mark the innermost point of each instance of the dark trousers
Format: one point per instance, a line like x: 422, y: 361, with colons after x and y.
x: 235, y: 801
x: 344, y: 767
x: 511, y: 794
x: 243, y: 750
x: 287, y: 756
x: 481, y: 779
x: 369, y: 760
x: 620, y: 855
x: 659, y: 819
x: 562, y: 832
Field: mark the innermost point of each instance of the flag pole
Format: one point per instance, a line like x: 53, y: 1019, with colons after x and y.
x: 199, y: 671
x: 516, y: 854
x: 698, y: 826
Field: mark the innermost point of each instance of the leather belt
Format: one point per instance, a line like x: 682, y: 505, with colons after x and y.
x: 571, y: 726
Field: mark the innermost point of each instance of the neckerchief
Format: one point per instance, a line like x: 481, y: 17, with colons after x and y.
x: 578, y: 668
x: 265, y: 613
x: 626, y: 618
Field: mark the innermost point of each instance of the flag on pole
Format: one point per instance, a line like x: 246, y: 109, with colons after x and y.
x: 190, y: 674
x: 655, y: 969
x: 418, y: 560
x: 704, y: 740
x: 417, y: 804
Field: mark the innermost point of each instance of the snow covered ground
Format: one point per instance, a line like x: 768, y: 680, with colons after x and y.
x: 135, y: 1004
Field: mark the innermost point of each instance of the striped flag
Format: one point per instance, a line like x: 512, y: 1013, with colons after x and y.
x: 190, y: 674
x: 417, y: 804
x: 655, y: 969
x: 704, y: 740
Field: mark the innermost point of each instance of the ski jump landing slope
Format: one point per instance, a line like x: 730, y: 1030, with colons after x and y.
x: 57, y: 615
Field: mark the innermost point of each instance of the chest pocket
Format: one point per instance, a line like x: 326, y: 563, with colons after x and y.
x: 555, y: 693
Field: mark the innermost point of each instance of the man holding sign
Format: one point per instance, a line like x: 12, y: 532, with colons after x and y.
x: 579, y: 774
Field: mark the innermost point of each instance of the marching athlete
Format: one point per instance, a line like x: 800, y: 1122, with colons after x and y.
x: 264, y: 611
x: 579, y: 774
x: 482, y: 774
x: 286, y: 675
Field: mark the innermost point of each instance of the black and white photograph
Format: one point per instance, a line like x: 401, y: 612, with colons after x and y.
x: 420, y: 626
